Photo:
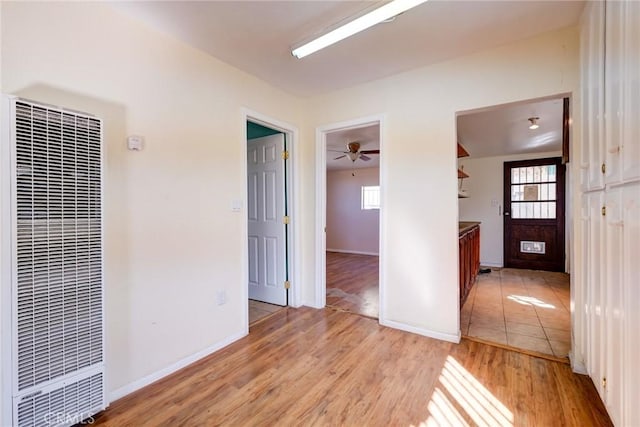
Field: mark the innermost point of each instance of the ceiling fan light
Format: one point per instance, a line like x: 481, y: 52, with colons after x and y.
x: 372, y: 18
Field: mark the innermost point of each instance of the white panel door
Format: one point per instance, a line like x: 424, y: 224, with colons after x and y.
x: 631, y: 91
x: 631, y: 296
x: 596, y: 290
x: 614, y: 67
x: 592, y: 57
x: 266, y: 211
x: 614, y: 313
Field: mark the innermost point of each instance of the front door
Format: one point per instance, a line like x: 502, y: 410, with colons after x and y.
x: 534, y: 214
x: 266, y: 212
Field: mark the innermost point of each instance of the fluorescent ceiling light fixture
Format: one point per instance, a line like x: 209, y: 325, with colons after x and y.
x: 534, y: 122
x: 372, y: 18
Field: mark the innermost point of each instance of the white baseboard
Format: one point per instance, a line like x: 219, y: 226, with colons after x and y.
x: 346, y: 251
x: 577, y: 366
x: 454, y: 338
x: 151, y: 378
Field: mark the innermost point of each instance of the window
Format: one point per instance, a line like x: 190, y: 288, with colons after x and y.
x: 370, y: 197
x: 533, y: 192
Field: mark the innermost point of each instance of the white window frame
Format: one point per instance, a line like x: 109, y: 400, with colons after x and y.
x: 368, y: 192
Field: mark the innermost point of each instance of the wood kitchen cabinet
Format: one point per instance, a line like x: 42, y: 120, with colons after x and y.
x: 469, y: 246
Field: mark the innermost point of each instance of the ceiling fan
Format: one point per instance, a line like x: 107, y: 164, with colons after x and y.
x: 355, y: 153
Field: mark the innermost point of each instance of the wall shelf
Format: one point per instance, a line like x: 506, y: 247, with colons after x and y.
x: 462, y: 152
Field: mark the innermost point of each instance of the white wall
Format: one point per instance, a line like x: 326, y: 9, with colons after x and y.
x: 172, y: 240
x: 485, y: 186
x: 419, y: 252
x: 350, y: 228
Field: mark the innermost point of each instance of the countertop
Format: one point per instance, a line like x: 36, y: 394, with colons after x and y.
x: 466, y: 226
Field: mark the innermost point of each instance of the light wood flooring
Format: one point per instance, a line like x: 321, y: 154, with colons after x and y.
x: 524, y: 309
x: 258, y: 310
x: 352, y: 283
x: 327, y: 367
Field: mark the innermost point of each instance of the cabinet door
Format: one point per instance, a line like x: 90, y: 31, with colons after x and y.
x: 631, y: 296
x: 614, y: 310
x: 630, y: 154
x: 595, y: 292
x: 592, y: 57
x: 613, y: 104
x: 580, y: 293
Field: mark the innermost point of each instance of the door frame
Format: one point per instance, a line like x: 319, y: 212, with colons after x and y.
x: 321, y: 207
x: 292, y: 196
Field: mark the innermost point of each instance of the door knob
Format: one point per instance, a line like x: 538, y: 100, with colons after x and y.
x: 507, y: 213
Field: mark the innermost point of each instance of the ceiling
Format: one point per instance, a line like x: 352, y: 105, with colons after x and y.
x: 504, y: 129
x: 257, y: 36
x: 367, y: 136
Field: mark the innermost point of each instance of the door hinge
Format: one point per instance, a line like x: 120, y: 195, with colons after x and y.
x: 604, y: 382
x: 285, y: 220
x: 285, y: 154
x: 287, y: 284
x: 604, y: 211
x: 603, y: 168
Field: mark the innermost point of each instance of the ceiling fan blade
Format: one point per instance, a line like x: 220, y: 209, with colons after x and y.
x: 340, y: 157
x: 370, y: 151
x: 338, y: 151
x: 365, y: 158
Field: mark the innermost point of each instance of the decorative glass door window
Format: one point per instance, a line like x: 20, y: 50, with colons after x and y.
x: 533, y: 192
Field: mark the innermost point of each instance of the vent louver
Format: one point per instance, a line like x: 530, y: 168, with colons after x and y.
x: 58, y: 283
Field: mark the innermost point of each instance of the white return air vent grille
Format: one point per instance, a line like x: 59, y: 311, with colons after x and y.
x: 68, y: 404
x: 57, y: 284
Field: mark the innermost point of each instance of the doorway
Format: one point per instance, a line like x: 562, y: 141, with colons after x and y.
x: 513, y: 185
x: 350, y: 208
x: 268, y: 220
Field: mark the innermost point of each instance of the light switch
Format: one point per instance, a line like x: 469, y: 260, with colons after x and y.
x: 494, y: 203
x: 236, y: 205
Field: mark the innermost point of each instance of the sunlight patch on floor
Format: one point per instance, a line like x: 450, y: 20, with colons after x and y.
x: 462, y: 397
x: 524, y: 300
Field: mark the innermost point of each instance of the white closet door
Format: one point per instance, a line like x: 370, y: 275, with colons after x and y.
x: 592, y: 54
x: 614, y: 69
x: 631, y: 90
x: 614, y: 309
x: 631, y: 296
x: 596, y: 290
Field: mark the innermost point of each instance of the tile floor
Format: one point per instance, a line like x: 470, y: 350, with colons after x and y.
x: 526, y: 309
x: 259, y: 310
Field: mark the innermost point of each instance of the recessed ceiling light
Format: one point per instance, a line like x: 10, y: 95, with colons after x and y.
x: 372, y: 18
x: 534, y: 122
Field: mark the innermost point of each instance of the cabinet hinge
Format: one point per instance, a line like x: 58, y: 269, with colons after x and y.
x: 287, y: 284
x: 604, y: 211
x: 285, y: 220
x: 603, y: 168
x: 285, y: 154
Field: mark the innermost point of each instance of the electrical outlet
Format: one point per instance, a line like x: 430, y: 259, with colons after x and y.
x: 221, y: 297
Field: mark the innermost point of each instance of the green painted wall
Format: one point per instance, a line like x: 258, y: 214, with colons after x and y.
x: 255, y: 130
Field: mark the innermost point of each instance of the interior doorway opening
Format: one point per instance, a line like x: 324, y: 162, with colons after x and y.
x: 509, y: 183
x: 353, y: 196
x: 268, y: 233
